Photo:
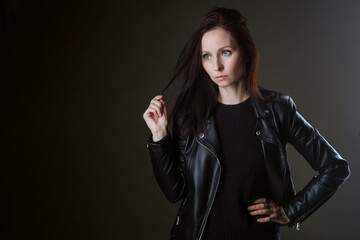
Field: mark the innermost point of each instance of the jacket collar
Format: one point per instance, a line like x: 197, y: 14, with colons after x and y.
x: 209, y: 136
x: 261, y: 108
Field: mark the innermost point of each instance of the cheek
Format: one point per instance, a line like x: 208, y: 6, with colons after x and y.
x: 206, y: 67
x: 238, y: 67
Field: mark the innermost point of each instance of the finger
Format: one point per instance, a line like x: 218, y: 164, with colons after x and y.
x: 158, y: 97
x: 158, y: 109
x: 158, y: 104
x: 165, y: 110
x: 162, y: 103
x: 261, y: 200
x: 258, y: 206
x: 147, y: 113
x: 154, y: 111
x: 263, y: 220
x: 150, y: 110
x: 150, y: 113
x: 260, y: 212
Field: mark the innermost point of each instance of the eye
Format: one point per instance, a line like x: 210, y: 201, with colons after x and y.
x: 206, y: 56
x: 226, y: 52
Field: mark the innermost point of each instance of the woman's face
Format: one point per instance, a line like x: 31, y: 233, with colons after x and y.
x: 222, y: 58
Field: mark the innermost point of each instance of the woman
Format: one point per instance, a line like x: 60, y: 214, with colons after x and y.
x: 226, y: 158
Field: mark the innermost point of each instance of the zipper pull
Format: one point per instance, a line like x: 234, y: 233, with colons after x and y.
x: 177, y: 220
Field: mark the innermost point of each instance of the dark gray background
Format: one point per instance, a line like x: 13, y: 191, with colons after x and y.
x: 77, y: 76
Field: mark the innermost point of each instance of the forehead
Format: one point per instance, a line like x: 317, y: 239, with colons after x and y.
x: 217, y: 38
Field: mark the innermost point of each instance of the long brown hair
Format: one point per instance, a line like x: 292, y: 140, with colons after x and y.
x: 197, y: 92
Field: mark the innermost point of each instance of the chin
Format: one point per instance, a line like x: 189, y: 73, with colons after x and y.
x: 224, y: 84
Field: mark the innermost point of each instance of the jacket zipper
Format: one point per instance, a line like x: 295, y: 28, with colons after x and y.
x: 178, y: 216
x: 217, y: 184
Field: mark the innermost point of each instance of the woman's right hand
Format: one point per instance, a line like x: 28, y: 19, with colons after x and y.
x: 155, y: 117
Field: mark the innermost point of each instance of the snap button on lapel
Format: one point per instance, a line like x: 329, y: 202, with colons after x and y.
x: 201, y: 135
x: 257, y: 133
x: 266, y: 112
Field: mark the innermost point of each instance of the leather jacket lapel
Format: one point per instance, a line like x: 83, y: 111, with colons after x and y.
x: 210, y: 137
x: 271, y: 144
x: 265, y: 129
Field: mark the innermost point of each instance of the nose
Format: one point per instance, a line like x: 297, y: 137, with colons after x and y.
x: 218, y: 66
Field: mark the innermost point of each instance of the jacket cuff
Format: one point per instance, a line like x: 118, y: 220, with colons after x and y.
x: 157, y: 144
x: 290, y: 214
x: 294, y: 225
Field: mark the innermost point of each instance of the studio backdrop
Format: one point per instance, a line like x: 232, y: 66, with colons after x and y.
x: 76, y: 77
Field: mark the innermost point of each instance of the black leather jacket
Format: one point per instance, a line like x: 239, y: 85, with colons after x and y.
x: 188, y: 168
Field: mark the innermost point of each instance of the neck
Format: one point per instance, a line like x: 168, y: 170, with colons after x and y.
x: 233, y: 95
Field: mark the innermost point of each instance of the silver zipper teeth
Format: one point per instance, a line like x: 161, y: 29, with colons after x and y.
x: 178, y: 216
x: 212, y: 200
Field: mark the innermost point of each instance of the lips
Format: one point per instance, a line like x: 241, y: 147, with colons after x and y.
x: 222, y: 77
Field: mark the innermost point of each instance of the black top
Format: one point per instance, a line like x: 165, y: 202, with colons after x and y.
x: 243, y: 177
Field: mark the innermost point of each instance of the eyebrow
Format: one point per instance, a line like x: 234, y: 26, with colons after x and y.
x: 219, y: 49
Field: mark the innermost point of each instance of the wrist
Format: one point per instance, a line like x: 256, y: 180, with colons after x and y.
x: 157, y: 136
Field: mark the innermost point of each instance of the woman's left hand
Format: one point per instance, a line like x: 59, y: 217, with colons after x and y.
x: 264, y: 206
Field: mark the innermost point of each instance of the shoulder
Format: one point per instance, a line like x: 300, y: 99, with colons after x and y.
x: 277, y: 99
x: 281, y: 106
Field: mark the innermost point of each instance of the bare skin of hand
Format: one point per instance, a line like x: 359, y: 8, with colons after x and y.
x: 267, y: 206
x: 155, y: 117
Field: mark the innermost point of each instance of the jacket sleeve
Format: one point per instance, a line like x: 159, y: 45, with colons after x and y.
x: 333, y: 169
x: 168, y: 165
